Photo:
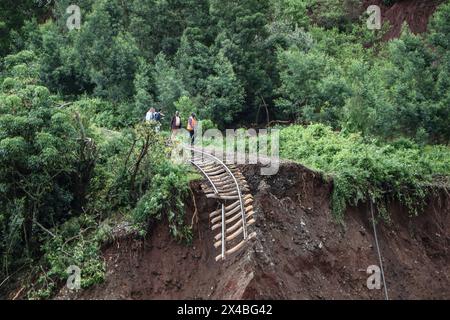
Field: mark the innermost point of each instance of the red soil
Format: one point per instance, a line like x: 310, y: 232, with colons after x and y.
x: 416, y: 13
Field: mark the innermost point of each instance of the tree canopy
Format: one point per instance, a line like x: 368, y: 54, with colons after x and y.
x: 76, y: 155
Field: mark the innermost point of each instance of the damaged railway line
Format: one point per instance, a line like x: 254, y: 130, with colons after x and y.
x: 235, y: 215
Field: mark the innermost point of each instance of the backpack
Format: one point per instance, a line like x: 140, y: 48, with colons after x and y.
x: 194, y: 124
x: 150, y: 116
x: 157, y: 116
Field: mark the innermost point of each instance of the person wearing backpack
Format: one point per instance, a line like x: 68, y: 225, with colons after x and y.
x: 192, y: 126
x: 159, y: 115
x: 150, y: 115
x: 175, y: 124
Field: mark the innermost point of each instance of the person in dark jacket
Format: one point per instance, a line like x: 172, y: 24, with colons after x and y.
x: 175, y: 124
x: 176, y: 121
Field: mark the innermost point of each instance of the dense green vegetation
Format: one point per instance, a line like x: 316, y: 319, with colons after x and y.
x: 77, y: 159
x: 243, y: 62
x: 65, y: 182
x: 363, y: 170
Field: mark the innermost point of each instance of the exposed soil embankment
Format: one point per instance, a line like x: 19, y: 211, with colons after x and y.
x: 416, y: 13
x: 301, y: 252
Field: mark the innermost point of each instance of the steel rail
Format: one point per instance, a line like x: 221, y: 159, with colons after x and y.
x: 238, y: 188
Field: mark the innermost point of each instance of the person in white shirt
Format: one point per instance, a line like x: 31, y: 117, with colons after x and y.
x: 150, y: 116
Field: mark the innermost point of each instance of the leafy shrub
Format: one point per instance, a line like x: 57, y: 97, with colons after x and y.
x: 185, y: 106
x: 107, y: 114
x: 135, y: 175
x: 76, y: 243
x: 207, y: 124
x: 39, y: 162
x: 165, y: 197
x: 362, y: 170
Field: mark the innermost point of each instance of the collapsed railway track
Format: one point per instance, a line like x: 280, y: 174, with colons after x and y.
x: 226, y: 184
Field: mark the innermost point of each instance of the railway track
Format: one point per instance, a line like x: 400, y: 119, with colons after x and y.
x: 226, y: 184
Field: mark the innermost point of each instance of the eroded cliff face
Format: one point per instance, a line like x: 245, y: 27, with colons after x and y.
x: 301, y: 252
x: 416, y: 13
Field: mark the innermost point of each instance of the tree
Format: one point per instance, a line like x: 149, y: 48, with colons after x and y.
x: 440, y: 39
x: 39, y: 161
x: 158, y: 26
x: 109, y: 51
x: 439, y: 28
x: 224, y: 93
x: 411, y: 82
x: 241, y: 34
x: 186, y: 106
x: 168, y: 84
x: 304, y: 84
x: 13, y: 15
x: 57, y: 63
x: 193, y: 61
x: 294, y: 12
x: 142, y: 87
x: 337, y: 14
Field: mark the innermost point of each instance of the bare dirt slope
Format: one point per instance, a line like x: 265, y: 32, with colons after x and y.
x: 301, y: 252
x: 416, y: 13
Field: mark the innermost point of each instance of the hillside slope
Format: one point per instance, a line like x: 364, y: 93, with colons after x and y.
x: 416, y: 13
x: 300, y: 252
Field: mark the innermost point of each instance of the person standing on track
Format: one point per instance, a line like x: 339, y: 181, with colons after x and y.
x: 159, y: 115
x: 192, y: 126
x: 150, y: 116
x: 158, y: 118
x: 175, y: 124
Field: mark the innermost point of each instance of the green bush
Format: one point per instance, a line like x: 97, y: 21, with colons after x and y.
x: 134, y: 174
x: 207, y: 124
x: 40, y: 162
x: 366, y: 170
x: 165, y: 197
x: 76, y: 243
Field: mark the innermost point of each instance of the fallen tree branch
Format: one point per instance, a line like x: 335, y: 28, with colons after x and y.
x: 18, y: 293
x: 65, y: 104
x: 273, y: 122
x: 77, y: 236
x: 45, y: 229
